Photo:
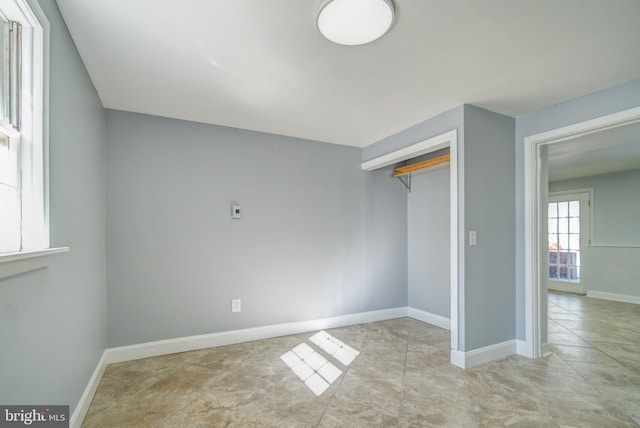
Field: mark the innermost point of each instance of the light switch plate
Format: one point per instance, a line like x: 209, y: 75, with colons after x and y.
x: 473, y: 238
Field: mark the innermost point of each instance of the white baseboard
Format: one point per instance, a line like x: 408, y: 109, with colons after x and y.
x: 82, y: 407
x: 192, y: 343
x: 521, y: 348
x: 615, y: 297
x: 458, y: 358
x: 476, y: 357
x: 565, y: 287
x: 429, y: 318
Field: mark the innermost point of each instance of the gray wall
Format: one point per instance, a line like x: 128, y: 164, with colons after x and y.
x: 429, y: 242
x: 53, y: 321
x: 616, y: 206
x: 615, y: 238
x: 490, y: 210
x: 318, y: 238
x: 601, y: 103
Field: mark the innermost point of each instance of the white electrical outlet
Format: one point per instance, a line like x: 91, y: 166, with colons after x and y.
x: 236, y: 305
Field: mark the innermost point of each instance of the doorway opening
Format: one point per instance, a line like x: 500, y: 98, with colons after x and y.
x: 535, y: 199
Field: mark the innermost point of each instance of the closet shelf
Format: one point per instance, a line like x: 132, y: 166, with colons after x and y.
x: 421, y: 166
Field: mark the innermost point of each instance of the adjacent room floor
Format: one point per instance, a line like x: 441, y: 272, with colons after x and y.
x: 400, y: 378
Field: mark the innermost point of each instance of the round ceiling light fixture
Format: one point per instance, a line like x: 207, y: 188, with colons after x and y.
x: 355, y: 22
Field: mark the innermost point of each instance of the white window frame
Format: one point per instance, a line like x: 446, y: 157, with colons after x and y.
x: 34, y: 146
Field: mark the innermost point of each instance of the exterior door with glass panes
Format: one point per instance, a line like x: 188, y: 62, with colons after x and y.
x: 568, y: 233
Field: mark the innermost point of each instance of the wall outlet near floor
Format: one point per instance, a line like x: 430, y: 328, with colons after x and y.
x: 236, y: 305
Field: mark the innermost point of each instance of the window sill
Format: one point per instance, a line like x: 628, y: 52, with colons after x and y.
x: 24, y: 261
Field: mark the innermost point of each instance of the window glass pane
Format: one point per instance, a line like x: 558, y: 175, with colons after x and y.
x: 574, y: 225
x: 563, y: 209
x: 562, y: 258
x: 553, y: 257
x: 9, y: 219
x: 4, y: 64
x: 573, y: 258
x: 574, y: 208
x: 8, y: 161
x: 563, y: 225
x: 575, y: 274
x: 562, y: 273
x: 553, y: 272
x: 10, y: 208
x: 576, y: 260
x: 553, y: 241
x: 553, y: 210
x: 563, y: 239
x: 574, y: 242
x: 553, y: 225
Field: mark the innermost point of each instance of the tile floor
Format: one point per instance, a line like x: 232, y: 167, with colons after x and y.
x: 401, y: 378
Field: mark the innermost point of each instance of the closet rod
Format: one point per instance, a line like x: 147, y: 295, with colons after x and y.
x: 421, y: 166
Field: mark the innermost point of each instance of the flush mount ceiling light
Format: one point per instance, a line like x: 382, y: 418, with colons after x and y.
x: 355, y: 22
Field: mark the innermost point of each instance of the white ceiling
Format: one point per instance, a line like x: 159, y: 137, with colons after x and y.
x: 603, y: 152
x: 262, y: 65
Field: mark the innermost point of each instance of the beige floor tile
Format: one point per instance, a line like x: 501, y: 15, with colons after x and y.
x: 552, y: 380
x: 431, y: 359
x: 550, y: 362
x: 122, y: 384
x: 418, y: 415
x: 373, y: 391
x: 369, y: 367
x: 218, y: 407
x: 504, y: 418
x: 146, y: 409
x: 402, y: 378
x: 567, y: 339
x: 346, y: 413
x: 503, y: 381
x: 162, y: 365
x: 600, y: 334
x: 292, y: 399
x: 610, y: 375
x: 580, y: 353
x: 186, y: 381
x: 572, y: 418
x: 353, y: 335
x: 436, y: 389
x: 627, y: 350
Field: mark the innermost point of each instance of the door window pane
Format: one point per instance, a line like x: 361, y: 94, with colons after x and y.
x: 563, y: 225
x: 563, y: 209
x: 564, y: 240
x: 574, y: 208
x: 574, y: 241
x: 574, y: 225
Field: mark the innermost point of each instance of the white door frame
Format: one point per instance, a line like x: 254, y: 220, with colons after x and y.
x: 448, y: 139
x: 534, y: 191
